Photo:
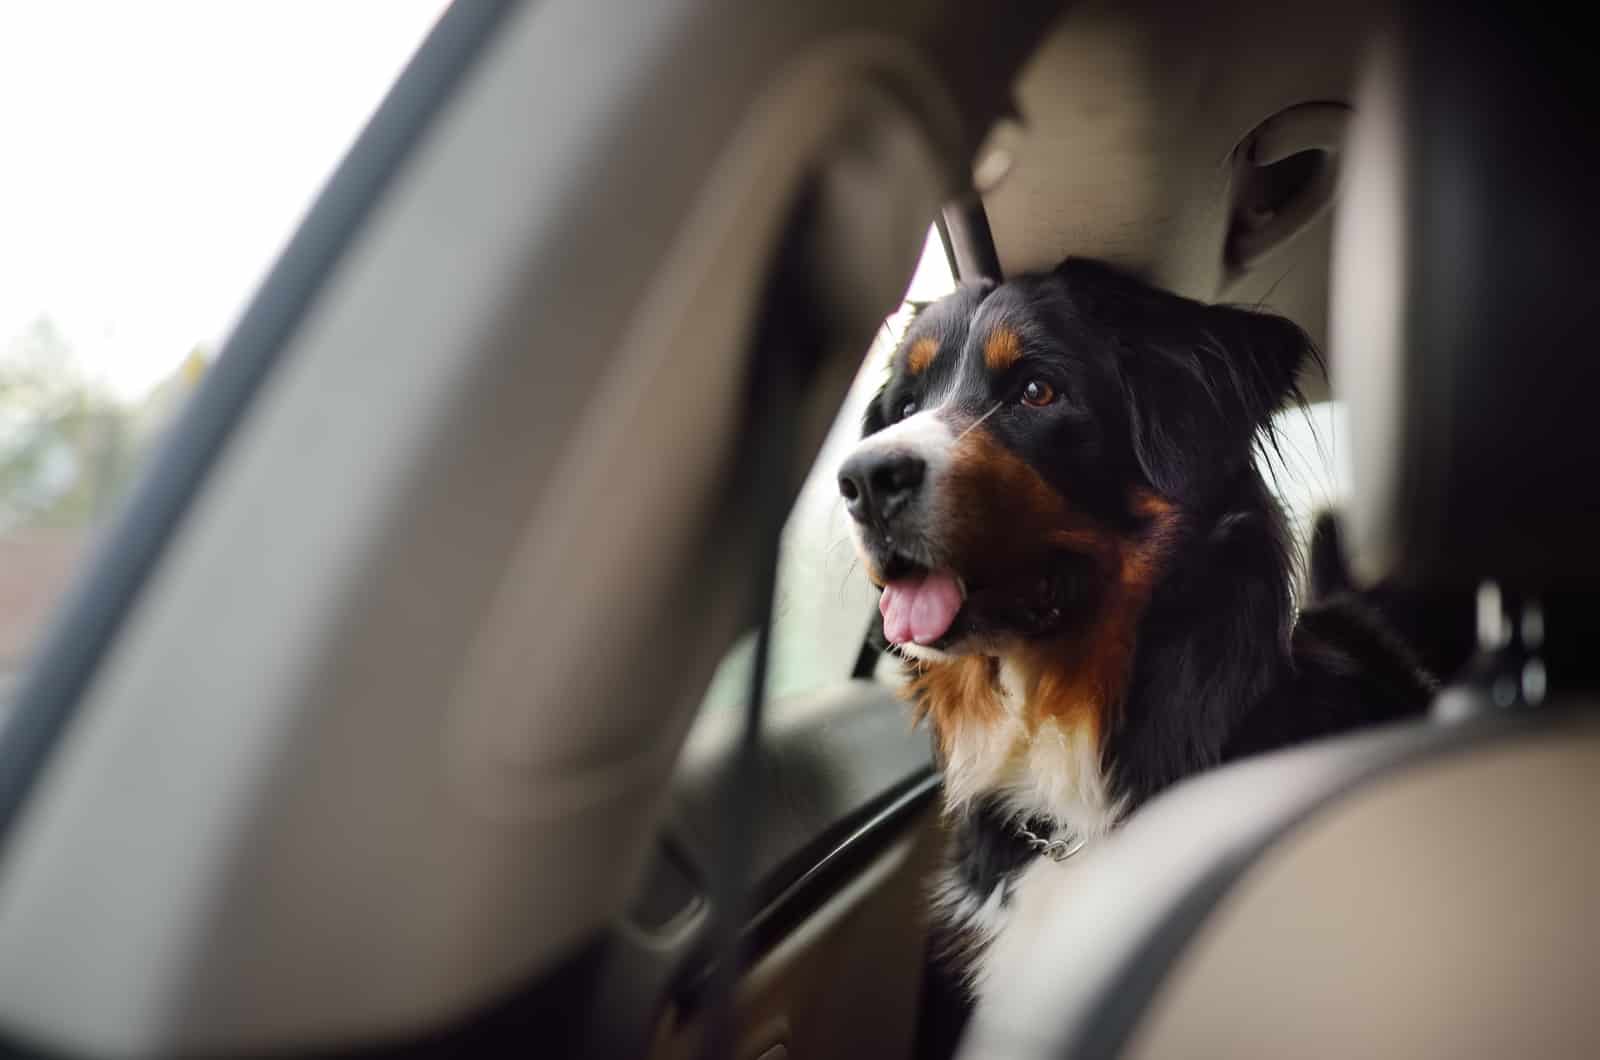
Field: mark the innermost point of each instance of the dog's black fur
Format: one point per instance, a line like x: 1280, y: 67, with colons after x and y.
x: 1154, y: 396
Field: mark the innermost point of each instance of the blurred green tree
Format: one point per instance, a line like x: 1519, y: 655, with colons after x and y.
x: 67, y: 446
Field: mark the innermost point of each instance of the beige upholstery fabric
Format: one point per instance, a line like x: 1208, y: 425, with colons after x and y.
x: 1450, y: 911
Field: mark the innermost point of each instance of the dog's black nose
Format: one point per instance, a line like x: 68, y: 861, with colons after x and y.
x: 877, y: 484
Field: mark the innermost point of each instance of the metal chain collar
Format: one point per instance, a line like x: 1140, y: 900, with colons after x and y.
x: 1058, y: 848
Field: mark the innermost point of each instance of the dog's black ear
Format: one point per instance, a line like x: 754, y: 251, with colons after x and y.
x: 1201, y: 381
x: 1264, y: 354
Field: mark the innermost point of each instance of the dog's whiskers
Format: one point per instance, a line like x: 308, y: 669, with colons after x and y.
x: 974, y: 425
x: 844, y: 583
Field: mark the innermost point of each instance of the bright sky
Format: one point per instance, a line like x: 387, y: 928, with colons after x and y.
x: 156, y: 155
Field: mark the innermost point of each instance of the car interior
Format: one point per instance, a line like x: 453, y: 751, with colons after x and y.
x: 379, y: 723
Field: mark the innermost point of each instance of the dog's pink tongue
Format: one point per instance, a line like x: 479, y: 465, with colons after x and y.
x: 919, y: 609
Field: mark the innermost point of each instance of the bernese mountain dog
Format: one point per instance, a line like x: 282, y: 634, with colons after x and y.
x: 1060, y: 494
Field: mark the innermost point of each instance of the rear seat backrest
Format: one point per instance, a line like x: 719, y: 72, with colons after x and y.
x: 1430, y: 889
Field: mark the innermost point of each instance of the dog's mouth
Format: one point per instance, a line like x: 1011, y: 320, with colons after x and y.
x: 937, y: 608
x: 920, y: 606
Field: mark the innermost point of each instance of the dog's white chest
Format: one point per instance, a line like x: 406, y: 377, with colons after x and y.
x: 1032, y: 769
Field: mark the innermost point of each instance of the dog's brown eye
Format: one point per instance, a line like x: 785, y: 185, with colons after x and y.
x: 908, y: 409
x: 1037, y: 393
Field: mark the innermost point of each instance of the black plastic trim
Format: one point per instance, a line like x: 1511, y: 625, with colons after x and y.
x: 104, y: 594
x: 970, y: 240
x: 844, y: 776
x: 882, y: 823
x: 872, y: 649
x: 941, y: 226
x: 831, y: 861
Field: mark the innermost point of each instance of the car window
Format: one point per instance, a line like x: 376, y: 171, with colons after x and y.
x: 1308, y: 464
x: 158, y: 156
x: 822, y: 603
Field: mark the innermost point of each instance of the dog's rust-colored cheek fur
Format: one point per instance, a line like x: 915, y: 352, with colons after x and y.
x: 954, y: 694
x: 1000, y: 516
x: 1142, y: 557
x: 920, y: 355
x: 1076, y: 681
x: 1082, y: 679
x: 1072, y: 687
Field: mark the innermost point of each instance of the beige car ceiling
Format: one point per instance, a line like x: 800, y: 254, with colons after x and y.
x: 1129, y: 119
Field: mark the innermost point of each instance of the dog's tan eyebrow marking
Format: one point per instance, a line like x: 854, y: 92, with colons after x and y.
x: 1002, y: 349
x: 920, y: 355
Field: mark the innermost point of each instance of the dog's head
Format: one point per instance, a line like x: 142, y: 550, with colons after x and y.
x: 1029, y: 435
